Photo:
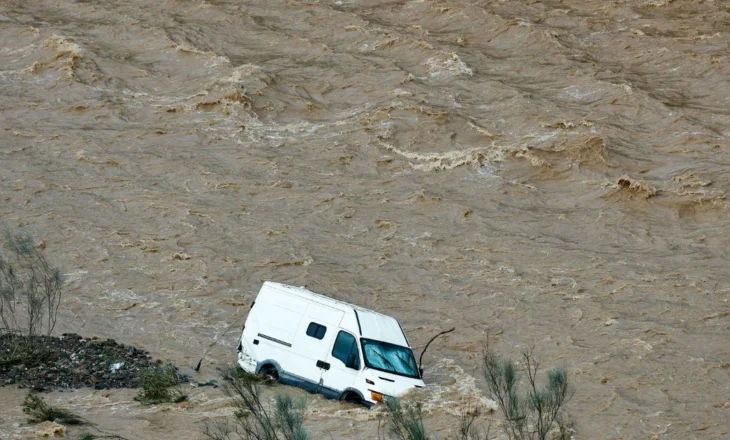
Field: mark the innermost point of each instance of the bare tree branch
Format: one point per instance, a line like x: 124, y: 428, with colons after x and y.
x: 30, y: 289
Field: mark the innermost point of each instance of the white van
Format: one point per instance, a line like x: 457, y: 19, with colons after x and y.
x: 326, y: 346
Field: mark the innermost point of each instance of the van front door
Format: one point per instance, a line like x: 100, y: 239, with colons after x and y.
x: 343, y: 362
x: 312, y: 346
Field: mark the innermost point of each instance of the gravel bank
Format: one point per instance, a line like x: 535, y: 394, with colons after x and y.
x: 71, y: 361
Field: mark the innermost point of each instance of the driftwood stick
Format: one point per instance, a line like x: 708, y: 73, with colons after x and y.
x: 420, y: 359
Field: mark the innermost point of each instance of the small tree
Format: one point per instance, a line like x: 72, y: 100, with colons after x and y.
x: 254, y: 419
x: 535, y: 414
x: 30, y: 288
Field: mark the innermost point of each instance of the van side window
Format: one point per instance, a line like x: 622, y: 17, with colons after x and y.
x: 316, y: 331
x: 345, y: 349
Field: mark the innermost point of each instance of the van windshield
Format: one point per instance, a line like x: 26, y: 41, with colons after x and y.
x: 388, y: 357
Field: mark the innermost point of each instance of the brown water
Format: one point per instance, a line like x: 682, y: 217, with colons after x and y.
x: 555, y: 172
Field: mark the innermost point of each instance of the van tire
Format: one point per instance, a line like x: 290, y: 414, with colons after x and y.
x: 351, y: 397
x: 270, y: 373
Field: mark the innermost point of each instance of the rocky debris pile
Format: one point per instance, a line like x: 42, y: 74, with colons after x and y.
x: 70, y: 361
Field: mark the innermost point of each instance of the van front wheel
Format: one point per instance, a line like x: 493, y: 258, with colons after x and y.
x: 351, y: 397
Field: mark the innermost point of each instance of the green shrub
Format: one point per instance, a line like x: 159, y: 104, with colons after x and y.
x: 536, y: 414
x: 160, y: 384
x: 403, y: 422
x: 40, y: 411
x: 238, y: 373
x: 254, y: 419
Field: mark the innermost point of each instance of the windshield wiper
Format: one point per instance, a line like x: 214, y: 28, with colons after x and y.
x: 406, y: 363
x: 394, y: 370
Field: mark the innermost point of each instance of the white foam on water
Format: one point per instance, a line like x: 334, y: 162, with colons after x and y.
x: 447, y: 64
x: 75, y: 275
x: 448, y: 160
x: 453, y: 393
x: 580, y: 93
x: 241, y: 72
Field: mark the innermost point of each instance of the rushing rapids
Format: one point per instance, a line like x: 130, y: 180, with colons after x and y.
x: 554, y: 172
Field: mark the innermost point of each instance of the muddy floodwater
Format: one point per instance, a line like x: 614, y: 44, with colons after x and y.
x: 553, y: 172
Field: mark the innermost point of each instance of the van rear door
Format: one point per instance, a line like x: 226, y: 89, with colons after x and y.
x: 277, y: 316
x: 313, y: 341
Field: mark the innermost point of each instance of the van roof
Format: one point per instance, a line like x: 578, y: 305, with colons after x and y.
x: 372, y: 325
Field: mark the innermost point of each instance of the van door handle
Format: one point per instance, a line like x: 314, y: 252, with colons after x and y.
x: 323, y: 365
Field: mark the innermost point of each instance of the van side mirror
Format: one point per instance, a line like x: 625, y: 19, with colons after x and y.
x: 353, y: 362
x: 420, y: 371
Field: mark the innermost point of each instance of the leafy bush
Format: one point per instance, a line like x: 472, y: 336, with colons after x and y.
x: 255, y: 419
x: 403, y: 422
x: 535, y: 414
x: 40, y: 411
x: 237, y: 373
x: 30, y: 289
x: 160, y: 384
